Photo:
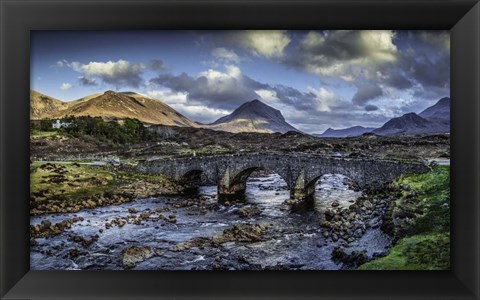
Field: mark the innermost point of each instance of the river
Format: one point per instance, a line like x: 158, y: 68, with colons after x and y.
x: 293, y: 241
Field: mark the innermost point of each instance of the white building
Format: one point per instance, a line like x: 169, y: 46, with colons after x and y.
x: 59, y: 124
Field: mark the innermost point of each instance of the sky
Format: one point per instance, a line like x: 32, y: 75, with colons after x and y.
x: 318, y: 79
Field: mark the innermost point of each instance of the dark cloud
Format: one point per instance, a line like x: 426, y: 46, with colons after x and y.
x: 425, y: 57
x: 87, y: 81
x: 370, y: 107
x: 431, y: 74
x: 395, y: 78
x: 156, y: 65
x: 365, y: 93
x: 342, y: 53
x: 213, y: 88
x: 293, y: 97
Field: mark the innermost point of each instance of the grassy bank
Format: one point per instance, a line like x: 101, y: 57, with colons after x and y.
x: 71, y: 187
x: 39, y: 133
x: 419, y: 221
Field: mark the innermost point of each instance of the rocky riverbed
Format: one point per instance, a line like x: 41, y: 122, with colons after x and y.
x: 338, y: 229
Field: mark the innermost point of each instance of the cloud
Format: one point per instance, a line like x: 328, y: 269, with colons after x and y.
x: 425, y: 58
x: 323, y: 99
x: 156, y: 65
x: 221, y: 89
x: 371, y: 107
x: 169, y: 97
x: 343, y: 53
x: 65, y: 86
x: 267, y: 43
x: 226, y: 55
x: 394, y: 77
x: 200, y: 113
x: 87, y: 81
x: 270, y: 44
x: 119, y: 74
x: 61, y: 63
x: 437, y: 38
x: 267, y: 95
x: 365, y: 93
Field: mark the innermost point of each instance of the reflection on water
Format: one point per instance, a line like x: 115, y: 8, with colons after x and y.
x: 294, y: 241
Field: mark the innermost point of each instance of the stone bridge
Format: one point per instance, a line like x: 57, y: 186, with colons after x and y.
x: 300, y: 171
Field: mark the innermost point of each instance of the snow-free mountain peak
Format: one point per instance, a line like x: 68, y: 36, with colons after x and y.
x: 253, y: 116
x: 440, y: 110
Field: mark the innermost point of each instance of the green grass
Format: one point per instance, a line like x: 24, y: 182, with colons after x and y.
x: 38, y: 133
x: 433, y: 199
x: 418, y: 252
x: 423, y: 242
x: 80, y: 182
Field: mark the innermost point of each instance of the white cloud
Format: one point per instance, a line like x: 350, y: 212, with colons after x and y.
x: 226, y: 55
x: 169, y: 97
x: 324, y: 99
x: 218, y: 82
x: 61, y: 63
x: 200, y: 113
x: 379, y: 45
x: 121, y: 73
x: 65, y: 86
x: 267, y: 95
x: 268, y: 43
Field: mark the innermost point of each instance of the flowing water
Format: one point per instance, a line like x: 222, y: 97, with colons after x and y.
x: 293, y: 241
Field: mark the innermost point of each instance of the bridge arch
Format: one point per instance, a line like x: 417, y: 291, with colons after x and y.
x: 191, y: 175
x: 305, y: 184
x: 237, y: 179
x: 191, y: 179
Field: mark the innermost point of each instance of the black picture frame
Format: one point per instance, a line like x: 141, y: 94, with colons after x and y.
x: 18, y: 17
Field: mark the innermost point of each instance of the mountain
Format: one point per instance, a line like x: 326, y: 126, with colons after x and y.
x: 346, y: 132
x: 253, y: 116
x: 41, y: 106
x: 434, y: 119
x: 112, y: 105
x: 439, y: 111
x: 411, y: 124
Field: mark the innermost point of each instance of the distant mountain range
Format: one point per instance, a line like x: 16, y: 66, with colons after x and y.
x: 433, y: 120
x: 252, y: 116
x: 109, y: 105
x: 347, y: 132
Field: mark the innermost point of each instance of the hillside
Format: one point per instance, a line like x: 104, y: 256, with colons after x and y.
x: 253, y: 116
x: 42, y: 106
x: 411, y: 124
x: 439, y: 111
x: 112, y: 105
